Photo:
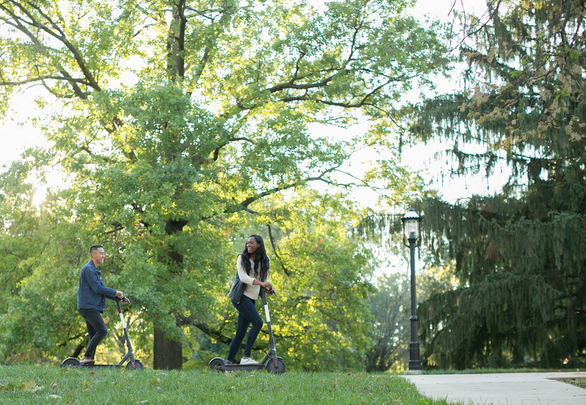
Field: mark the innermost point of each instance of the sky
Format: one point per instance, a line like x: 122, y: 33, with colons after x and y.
x: 16, y: 135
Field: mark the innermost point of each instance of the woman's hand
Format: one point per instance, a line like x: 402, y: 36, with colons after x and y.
x: 264, y: 284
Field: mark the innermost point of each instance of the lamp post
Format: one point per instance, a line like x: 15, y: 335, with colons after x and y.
x: 411, y: 225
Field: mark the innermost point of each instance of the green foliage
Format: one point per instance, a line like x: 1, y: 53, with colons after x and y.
x: 177, y: 125
x: 390, y: 306
x: 322, y: 274
x: 37, y: 255
x: 520, y: 277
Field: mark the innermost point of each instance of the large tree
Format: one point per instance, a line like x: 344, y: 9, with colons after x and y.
x: 173, y: 120
x: 391, y: 308
x: 519, y: 254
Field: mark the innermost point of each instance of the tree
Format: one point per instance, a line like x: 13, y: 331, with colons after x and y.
x: 321, y: 316
x: 173, y: 119
x: 518, y: 254
x: 39, y: 251
x: 389, y: 306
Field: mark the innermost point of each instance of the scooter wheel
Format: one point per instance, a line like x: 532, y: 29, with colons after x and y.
x: 136, y: 366
x: 70, y: 362
x: 278, y: 368
x: 216, y: 363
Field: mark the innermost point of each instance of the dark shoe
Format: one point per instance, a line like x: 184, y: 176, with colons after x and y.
x: 87, y: 361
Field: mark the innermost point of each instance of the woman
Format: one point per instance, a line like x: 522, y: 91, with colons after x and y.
x: 253, y: 269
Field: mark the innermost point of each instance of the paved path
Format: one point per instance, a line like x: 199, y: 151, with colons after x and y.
x: 502, y: 389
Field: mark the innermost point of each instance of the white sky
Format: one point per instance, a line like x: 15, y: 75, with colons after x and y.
x: 16, y: 134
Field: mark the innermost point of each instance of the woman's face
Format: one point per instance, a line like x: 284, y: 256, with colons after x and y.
x: 252, y: 245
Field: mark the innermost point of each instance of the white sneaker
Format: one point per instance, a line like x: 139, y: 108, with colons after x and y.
x: 248, y: 361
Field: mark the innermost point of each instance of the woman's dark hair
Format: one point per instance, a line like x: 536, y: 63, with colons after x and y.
x: 261, y: 259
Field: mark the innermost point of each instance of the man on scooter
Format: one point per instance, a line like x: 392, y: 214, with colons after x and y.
x: 91, y: 301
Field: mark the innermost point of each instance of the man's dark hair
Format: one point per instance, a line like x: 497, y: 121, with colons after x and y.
x: 93, y: 248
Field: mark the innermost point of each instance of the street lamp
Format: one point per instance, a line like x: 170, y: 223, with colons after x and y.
x: 411, y: 225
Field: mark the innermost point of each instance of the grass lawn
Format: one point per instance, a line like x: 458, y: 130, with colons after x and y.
x: 55, y: 385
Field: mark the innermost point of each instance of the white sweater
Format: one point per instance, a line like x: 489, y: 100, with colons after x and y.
x: 252, y: 291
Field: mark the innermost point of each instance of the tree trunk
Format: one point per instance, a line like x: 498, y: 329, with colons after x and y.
x: 167, y: 354
x: 79, y: 348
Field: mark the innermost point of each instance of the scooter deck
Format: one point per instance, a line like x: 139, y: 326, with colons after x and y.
x: 249, y: 367
x: 98, y: 365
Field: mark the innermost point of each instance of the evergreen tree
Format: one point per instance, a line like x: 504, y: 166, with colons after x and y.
x: 519, y: 254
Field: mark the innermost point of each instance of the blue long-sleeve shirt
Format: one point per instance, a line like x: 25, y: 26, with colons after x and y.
x: 92, y: 291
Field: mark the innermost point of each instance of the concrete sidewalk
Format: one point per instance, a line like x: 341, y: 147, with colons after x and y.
x: 502, y: 389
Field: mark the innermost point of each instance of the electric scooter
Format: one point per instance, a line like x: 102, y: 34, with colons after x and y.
x: 271, y: 362
x: 133, y: 364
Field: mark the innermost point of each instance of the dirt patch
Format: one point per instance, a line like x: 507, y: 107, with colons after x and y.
x: 578, y: 382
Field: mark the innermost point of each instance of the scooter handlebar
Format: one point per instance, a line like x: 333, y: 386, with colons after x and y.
x: 124, y: 299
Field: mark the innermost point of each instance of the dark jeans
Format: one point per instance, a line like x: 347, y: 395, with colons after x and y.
x: 96, y: 328
x: 247, y: 314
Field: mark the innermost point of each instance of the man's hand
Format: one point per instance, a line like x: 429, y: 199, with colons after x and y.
x: 119, y: 295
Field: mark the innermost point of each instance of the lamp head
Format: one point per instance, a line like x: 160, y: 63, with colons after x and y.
x: 411, y: 227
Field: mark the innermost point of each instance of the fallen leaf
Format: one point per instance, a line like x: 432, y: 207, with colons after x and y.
x: 30, y: 386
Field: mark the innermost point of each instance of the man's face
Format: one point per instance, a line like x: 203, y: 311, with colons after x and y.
x: 98, y: 256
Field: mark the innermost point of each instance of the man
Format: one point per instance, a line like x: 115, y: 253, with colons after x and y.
x: 91, y: 301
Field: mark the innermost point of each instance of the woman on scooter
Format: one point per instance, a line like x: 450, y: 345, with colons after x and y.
x: 253, y: 269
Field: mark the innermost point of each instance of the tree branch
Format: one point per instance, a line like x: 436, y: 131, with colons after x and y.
x: 176, y: 42
x: 274, y: 246
x: 21, y: 24
x: 275, y: 190
x: 291, y: 85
